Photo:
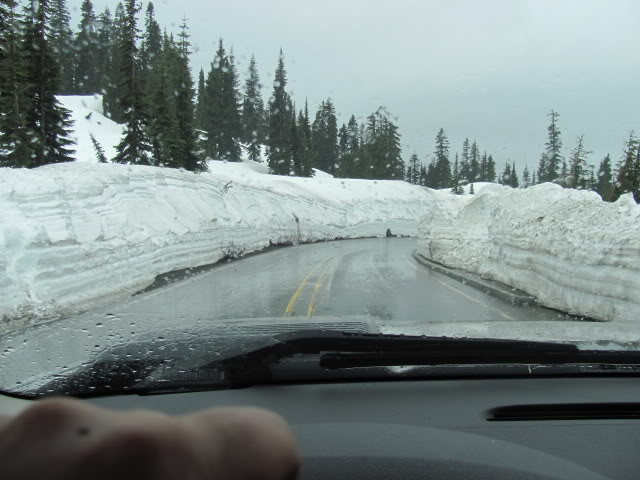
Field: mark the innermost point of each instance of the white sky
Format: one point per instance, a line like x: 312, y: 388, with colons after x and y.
x: 489, y: 70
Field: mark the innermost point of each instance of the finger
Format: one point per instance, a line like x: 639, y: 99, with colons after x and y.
x: 244, y: 443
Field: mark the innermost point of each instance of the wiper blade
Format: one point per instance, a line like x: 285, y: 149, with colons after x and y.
x: 339, y: 350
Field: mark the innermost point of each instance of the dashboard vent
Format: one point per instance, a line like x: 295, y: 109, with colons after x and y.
x: 567, y: 411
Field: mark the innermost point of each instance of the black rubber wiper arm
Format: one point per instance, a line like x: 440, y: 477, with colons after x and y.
x: 349, y: 350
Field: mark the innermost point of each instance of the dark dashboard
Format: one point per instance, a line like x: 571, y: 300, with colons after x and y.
x: 526, y: 428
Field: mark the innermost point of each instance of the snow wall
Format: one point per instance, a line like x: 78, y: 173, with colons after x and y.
x: 568, y: 248
x: 73, y: 236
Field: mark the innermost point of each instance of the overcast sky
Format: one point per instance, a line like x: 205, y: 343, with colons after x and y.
x: 489, y: 70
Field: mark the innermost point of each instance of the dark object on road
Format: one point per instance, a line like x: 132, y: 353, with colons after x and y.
x: 389, y: 234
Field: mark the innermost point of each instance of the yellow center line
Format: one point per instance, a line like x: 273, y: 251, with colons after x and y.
x: 294, y: 299
x: 322, y: 281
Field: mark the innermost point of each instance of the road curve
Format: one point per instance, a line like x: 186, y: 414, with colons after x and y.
x: 375, y: 277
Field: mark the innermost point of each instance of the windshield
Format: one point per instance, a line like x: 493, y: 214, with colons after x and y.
x: 181, y: 183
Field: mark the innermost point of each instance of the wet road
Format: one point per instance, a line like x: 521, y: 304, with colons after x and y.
x: 374, y: 277
x: 297, y: 287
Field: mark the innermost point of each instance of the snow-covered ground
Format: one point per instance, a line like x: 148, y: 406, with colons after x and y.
x: 568, y: 248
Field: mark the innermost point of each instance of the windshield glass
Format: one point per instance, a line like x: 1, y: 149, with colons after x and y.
x: 181, y: 183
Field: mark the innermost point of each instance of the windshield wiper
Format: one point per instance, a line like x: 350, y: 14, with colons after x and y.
x: 328, y: 351
x: 337, y: 350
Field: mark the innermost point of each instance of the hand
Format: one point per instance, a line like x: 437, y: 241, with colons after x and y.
x: 69, y: 439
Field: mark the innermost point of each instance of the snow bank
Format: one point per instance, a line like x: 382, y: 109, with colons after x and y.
x: 568, y: 248
x: 76, y: 235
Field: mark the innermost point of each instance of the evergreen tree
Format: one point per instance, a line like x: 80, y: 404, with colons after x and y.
x: 201, y: 105
x: 490, y: 174
x: 627, y: 176
x: 604, y: 184
x: 151, y: 47
x: 442, y: 165
x: 135, y: 147
x: 505, y: 178
x: 514, y: 177
x: 414, y: 168
x: 222, y: 119
x: 533, y: 178
x: 526, y: 177
x: 103, y: 63
x: 305, y: 141
x: 184, y: 94
x: 542, y: 168
x: 553, y: 146
x: 47, y: 122
x: 279, y: 157
x: 349, y: 149
x: 86, y: 45
x: 253, y: 113
x: 381, y: 153
x: 465, y: 162
x: 456, y: 189
x: 474, y: 163
x: 162, y: 127
x: 296, y: 147
x: 577, y: 175
x: 472, y: 190
x: 324, y: 134
x: 100, y: 155
x: 484, y: 175
x: 60, y: 39
x: 15, y: 145
x: 113, y: 93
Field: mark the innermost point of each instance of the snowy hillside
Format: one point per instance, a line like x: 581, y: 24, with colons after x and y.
x: 566, y: 247
x: 86, y: 113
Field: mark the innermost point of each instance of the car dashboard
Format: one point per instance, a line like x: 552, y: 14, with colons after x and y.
x: 493, y: 428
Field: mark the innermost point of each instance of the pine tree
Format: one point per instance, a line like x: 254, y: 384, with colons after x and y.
x: 505, y: 178
x: 150, y: 49
x: 201, y: 105
x: 61, y: 42
x: 184, y: 94
x: 253, y: 112
x: 534, y: 181
x: 526, y: 177
x: 162, y: 128
x: 86, y: 44
x: 542, y: 168
x: 443, y: 166
x: 627, y: 176
x: 100, y: 155
x: 604, y: 183
x: 381, y: 152
x: 324, y: 134
x: 414, y: 166
x: 456, y: 189
x: 472, y: 190
x: 15, y: 145
x: 47, y: 122
x: 490, y: 174
x: 279, y: 156
x: 553, y: 146
x: 222, y: 118
x: 514, y: 177
x: 577, y: 175
x: 103, y: 62
x: 305, y: 141
x: 474, y: 163
x: 484, y: 176
x: 465, y: 162
x: 114, y: 76
x: 135, y: 147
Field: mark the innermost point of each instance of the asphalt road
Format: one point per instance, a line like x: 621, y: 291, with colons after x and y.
x: 344, y: 281
x: 374, y: 277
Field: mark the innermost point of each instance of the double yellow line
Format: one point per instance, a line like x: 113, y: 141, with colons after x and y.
x: 320, y: 282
